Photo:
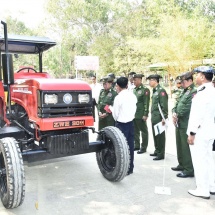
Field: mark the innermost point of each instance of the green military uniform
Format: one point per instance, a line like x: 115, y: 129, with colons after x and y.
x: 176, y: 93
x: 159, y: 96
x: 106, y: 98
x: 182, y: 109
x: 143, y: 97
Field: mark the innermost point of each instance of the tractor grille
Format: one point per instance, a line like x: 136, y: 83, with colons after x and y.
x: 61, y: 109
x: 68, y: 143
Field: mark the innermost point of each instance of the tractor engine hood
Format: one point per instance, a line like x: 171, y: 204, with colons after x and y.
x: 54, y: 84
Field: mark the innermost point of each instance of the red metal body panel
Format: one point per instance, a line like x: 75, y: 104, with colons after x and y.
x: 24, y: 93
x: 25, y: 75
x: 2, y: 101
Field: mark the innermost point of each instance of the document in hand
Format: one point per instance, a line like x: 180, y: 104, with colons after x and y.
x: 159, y: 128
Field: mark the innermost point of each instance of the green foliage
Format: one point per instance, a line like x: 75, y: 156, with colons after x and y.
x: 127, y: 35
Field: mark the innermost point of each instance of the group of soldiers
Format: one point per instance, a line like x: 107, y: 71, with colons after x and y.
x: 142, y: 93
x: 187, y: 118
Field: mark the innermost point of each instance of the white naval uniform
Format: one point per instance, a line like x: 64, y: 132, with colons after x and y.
x: 202, y: 122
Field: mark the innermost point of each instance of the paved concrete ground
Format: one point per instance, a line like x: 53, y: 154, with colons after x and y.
x: 74, y: 186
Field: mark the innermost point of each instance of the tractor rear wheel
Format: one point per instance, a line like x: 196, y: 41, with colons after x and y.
x: 113, y: 160
x: 12, y: 177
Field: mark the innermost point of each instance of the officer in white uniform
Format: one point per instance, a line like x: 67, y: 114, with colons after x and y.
x: 201, y: 133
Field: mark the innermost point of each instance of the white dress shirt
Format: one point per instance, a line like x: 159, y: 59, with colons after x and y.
x: 96, y: 88
x: 124, y: 106
x: 131, y: 87
x: 202, y: 114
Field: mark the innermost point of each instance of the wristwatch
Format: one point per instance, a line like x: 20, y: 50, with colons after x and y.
x: 192, y: 133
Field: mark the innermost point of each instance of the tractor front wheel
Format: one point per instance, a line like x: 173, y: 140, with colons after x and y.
x: 113, y: 160
x: 12, y: 177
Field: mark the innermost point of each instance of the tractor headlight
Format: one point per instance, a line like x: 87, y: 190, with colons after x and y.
x: 50, y: 99
x: 83, y: 98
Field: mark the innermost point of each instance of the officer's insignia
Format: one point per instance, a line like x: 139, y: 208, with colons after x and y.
x: 146, y: 93
x: 109, y: 94
x: 163, y: 93
x: 139, y: 92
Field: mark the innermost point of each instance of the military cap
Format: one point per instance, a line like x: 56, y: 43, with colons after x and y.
x: 204, y: 69
x: 178, y: 80
x: 155, y: 76
x: 185, y: 76
x: 107, y: 79
x: 132, y: 73
x: 111, y: 75
x: 138, y: 75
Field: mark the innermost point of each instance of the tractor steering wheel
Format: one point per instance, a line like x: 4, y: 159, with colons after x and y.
x: 28, y: 68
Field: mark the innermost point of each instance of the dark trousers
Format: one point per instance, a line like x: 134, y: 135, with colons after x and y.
x: 183, y: 151
x: 140, y: 127
x: 94, y: 107
x: 128, y: 130
x: 214, y: 146
x: 159, y: 142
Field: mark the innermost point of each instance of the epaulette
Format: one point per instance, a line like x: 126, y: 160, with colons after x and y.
x: 202, y: 88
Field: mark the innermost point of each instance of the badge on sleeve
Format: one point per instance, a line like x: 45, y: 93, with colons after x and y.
x: 139, y: 92
x: 163, y: 93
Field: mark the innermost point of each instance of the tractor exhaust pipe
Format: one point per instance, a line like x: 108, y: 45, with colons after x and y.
x: 7, y: 61
x: 7, y: 65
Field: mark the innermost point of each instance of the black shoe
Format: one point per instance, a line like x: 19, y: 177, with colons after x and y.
x: 136, y: 149
x: 158, y: 158
x: 154, y: 154
x: 184, y: 175
x: 212, y: 193
x: 141, y: 151
x: 177, y: 168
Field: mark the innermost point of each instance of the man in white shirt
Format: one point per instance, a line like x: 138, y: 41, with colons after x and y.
x: 123, y: 111
x: 201, y: 133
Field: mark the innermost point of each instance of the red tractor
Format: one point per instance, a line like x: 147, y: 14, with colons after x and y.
x: 43, y: 118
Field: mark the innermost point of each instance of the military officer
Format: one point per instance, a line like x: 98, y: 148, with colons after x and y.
x: 181, y: 113
x: 177, y: 90
x: 106, y: 97
x: 112, y: 75
x: 131, y: 85
x: 140, y: 125
x: 159, y: 99
x: 200, y: 131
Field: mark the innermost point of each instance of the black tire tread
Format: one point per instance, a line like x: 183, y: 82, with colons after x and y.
x: 15, y: 173
x: 121, y: 146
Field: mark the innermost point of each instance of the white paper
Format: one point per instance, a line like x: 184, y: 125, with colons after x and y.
x: 159, y: 128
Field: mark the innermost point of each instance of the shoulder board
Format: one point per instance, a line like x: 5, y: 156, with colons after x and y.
x: 202, y: 89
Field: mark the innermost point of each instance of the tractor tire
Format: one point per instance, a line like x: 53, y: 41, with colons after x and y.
x: 114, y: 159
x: 12, y: 177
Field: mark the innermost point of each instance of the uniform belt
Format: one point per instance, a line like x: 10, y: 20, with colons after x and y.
x: 124, y: 122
